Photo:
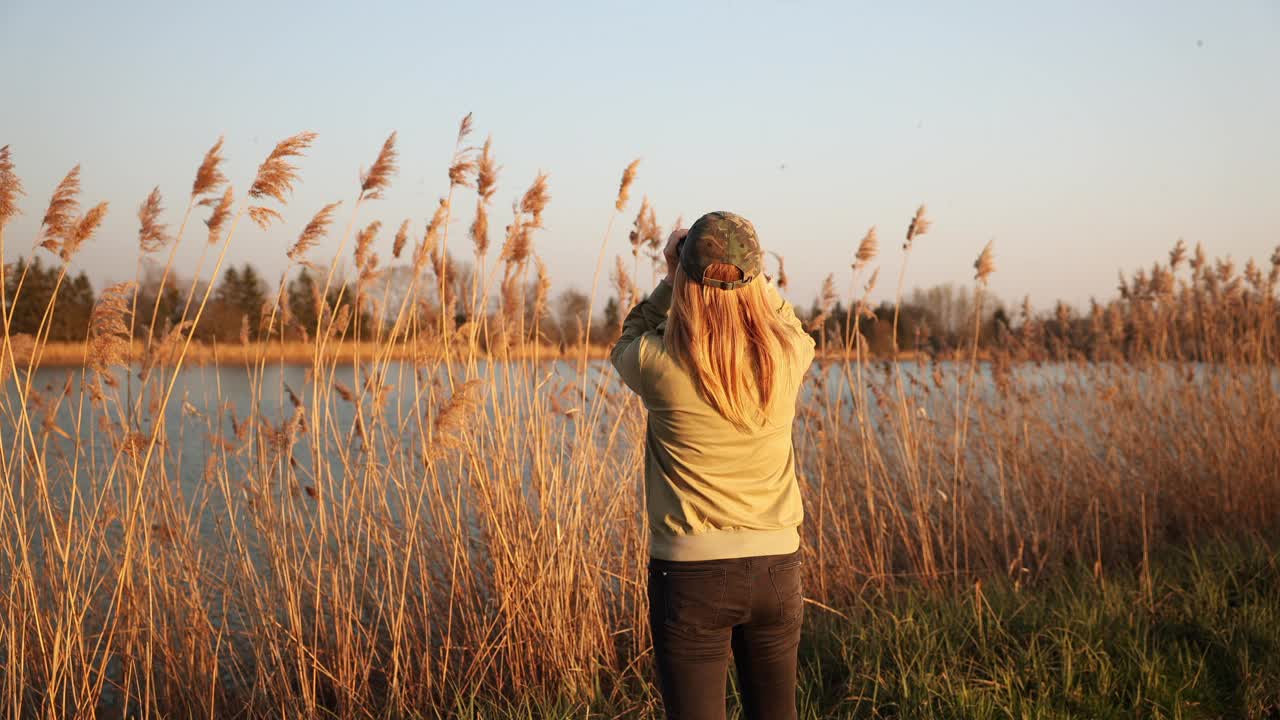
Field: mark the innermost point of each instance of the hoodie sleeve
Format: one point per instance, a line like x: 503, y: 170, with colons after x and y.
x: 644, y: 317
x: 787, y: 315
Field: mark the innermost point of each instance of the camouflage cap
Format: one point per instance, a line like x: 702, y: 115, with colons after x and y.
x: 725, y: 238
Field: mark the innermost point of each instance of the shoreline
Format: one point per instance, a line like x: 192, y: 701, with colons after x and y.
x: 74, y: 354
x: 61, y: 354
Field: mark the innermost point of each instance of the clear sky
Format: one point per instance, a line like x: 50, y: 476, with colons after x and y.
x: 1084, y: 137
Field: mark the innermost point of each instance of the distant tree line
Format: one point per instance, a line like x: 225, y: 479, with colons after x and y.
x: 936, y: 320
x: 238, y: 307
x: 1190, y: 309
x: 241, y: 305
x: 75, y: 300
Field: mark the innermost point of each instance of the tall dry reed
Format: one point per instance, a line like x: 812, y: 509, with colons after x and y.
x: 450, y: 517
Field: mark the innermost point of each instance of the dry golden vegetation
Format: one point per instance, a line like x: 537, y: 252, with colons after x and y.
x: 434, y: 523
x: 73, y: 354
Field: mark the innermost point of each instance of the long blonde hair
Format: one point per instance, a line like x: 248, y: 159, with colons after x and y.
x: 730, y: 342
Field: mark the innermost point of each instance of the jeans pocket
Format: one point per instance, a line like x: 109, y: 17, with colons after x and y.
x: 787, y: 585
x: 692, y: 598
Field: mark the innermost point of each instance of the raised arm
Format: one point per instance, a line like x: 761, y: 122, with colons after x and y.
x: 645, y: 316
x: 787, y: 315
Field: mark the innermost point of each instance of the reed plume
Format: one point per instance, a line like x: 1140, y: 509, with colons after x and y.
x: 985, y: 264
x: 1062, y: 314
x: 63, y: 206
x: 369, y: 272
x: 293, y: 397
x: 1028, y: 314
x: 1198, y: 260
x: 152, y: 234
x: 10, y: 188
x: 624, y: 187
x: 1225, y: 268
x: 313, y: 232
x: 378, y: 178
x: 535, y: 199
x: 1177, y: 254
x: 1253, y: 275
x: 163, y: 351
x: 431, y: 237
x: 645, y: 230
x: 826, y: 302
x: 626, y: 288
x: 339, y: 321
x: 781, y: 281
x: 276, y: 176
x: 487, y: 172
x: 867, y: 249
x: 402, y: 237
x: 220, y: 214
x: 920, y: 225
x: 462, y: 165
x: 542, y: 288
x: 486, y: 185
x: 443, y: 267
x: 480, y: 229
x: 461, y: 169
x: 364, y: 240
x: 519, y: 241
x: 263, y: 216
x: 510, y: 298
x: 464, y: 128
x: 1162, y: 280
x: 449, y: 424
x: 82, y: 230
x: 864, y: 305
x: 108, y: 331
x: 209, y: 175
x: 287, y: 318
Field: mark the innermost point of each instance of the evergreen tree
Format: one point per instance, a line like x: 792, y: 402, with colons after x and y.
x: 251, y: 294
x: 169, y: 310
x: 236, y: 302
x: 70, y: 318
x: 611, y: 314
x: 302, y: 293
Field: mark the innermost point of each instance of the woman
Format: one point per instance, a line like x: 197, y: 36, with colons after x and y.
x: 717, y: 356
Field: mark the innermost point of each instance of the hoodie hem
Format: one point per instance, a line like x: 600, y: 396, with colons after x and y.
x: 723, y: 544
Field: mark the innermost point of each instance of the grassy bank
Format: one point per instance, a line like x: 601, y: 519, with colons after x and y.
x: 1196, y: 635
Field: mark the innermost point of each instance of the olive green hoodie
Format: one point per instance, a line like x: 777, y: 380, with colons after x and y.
x: 711, y: 490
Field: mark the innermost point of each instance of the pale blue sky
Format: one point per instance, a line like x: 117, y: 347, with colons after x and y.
x: 1085, y: 137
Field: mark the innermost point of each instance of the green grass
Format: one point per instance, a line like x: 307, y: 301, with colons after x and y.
x: 1203, y: 642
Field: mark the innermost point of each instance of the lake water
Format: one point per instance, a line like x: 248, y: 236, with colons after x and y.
x: 209, y: 402
x: 206, y: 416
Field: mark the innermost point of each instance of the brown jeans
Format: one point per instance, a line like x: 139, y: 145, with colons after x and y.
x: 702, y: 612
